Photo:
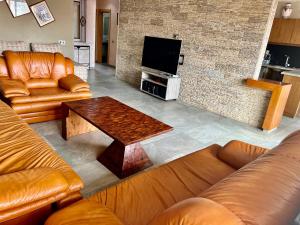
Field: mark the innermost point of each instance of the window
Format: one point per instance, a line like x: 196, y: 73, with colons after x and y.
x: 78, y: 13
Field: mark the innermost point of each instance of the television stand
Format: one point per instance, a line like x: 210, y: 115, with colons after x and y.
x: 160, y: 85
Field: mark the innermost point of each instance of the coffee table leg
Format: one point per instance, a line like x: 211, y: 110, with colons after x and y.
x: 73, y: 125
x: 123, y: 160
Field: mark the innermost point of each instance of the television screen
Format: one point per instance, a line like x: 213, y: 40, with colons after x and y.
x: 161, y: 54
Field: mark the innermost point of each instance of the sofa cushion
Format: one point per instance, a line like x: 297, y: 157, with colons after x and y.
x: 28, y: 186
x: 41, y: 83
x: 16, y: 67
x: 49, y: 94
x: 46, y: 47
x: 238, y: 153
x: 84, y: 213
x: 59, y: 69
x: 150, y: 193
x: 13, y: 46
x: 35, y: 65
x: 73, y: 83
x: 3, y: 67
x: 197, y: 211
x: 12, y: 88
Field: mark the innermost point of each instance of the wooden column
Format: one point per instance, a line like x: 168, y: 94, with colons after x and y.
x: 280, y: 93
x: 293, y: 103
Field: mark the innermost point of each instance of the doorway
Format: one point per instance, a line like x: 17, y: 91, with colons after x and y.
x: 103, y: 24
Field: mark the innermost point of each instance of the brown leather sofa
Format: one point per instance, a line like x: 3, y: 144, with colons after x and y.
x: 34, y: 179
x: 238, y: 184
x: 34, y: 84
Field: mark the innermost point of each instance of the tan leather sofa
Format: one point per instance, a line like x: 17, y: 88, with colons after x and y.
x: 34, y: 179
x: 35, y: 84
x: 238, y: 184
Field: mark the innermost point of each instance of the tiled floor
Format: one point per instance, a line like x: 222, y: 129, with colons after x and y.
x: 194, y: 129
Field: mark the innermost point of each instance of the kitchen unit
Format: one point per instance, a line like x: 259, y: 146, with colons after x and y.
x: 293, y: 102
x: 279, y: 95
x: 285, y: 32
x: 274, y: 72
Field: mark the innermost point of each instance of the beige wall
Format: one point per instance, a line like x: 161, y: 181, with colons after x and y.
x: 296, y: 8
x: 223, y: 43
x: 113, y: 5
x: 26, y: 28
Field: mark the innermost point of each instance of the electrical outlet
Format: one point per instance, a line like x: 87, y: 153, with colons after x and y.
x: 62, y: 42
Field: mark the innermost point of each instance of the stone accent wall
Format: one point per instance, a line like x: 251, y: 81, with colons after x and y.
x: 222, y: 42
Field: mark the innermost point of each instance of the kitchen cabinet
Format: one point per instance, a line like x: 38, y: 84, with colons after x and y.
x: 295, y: 40
x: 292, y: 108
x: 283, y: 32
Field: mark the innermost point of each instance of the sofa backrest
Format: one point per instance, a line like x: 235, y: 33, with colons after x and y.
x: 46, y: 47
x: 3, y: 67
x: 266, y: 191
x: 13, y: 46
x: 36, y: 65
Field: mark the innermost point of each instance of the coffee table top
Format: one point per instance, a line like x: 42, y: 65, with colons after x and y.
x: 118, y: 120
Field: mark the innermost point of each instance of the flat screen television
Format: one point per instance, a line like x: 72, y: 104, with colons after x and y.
x: 161, y: 54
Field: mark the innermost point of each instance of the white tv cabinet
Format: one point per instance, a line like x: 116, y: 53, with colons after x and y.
x: 160, y: 85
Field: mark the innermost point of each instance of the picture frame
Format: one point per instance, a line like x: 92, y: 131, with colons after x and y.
x: 42, y: 13
x: 18, y: 7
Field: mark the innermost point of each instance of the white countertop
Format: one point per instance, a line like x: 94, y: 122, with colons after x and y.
x: 280, y: 67
x: 82, y: 44
x: 294, y: 73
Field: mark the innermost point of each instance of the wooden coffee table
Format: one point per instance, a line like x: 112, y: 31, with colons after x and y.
x: 127, y: 126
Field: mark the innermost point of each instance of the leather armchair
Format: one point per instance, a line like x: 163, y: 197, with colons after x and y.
x: 35, y: 84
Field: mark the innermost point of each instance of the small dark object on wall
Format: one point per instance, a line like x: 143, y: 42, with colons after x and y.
x: 181, y: 59
x: 83, y: 21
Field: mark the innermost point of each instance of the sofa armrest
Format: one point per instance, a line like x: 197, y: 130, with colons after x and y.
x: 12, y: 88
x: 31, y: 189
x: 73, y: 83
x: 237, y: 153
x: 69, y: 66
x: 84, y: 212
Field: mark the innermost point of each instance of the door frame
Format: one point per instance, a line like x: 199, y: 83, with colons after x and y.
x: 99, y: 35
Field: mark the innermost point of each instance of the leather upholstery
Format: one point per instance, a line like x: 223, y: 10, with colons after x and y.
x: 48, y: 95
x: 238, y: 154
x: 30, y: 186
x: 73, y: 84
x: 41, y: 83
x: 32, y: 175
x: 12, y: 88
x: 69, y: 66
x: 91, y: 213
x: 38, y: 82
x: 200, y: 189
x: 3, y: 68
x: 265, y: 192
x: 16, y: 67
x: 152, y: 192
x: 189, y: 212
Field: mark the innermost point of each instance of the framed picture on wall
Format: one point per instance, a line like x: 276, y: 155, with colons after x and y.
x: 42, y: 13
x: 18, y: 7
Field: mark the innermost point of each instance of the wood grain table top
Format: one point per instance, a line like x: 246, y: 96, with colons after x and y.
x: 118, y: 120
